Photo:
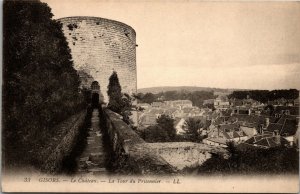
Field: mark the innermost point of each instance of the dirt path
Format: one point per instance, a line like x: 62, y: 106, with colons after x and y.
x: 92, y: 160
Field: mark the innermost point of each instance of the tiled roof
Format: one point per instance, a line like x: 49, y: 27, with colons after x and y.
x: 169, y: 111
x: 266, y: 141
x: 201, y: 118
x: 249, y: 131
x: 289, y: 127
x: 218, y: 121
x: 241, y: 133
x: 294, y: 110
x: 284, y: 117
x: 259, y: 137
x: 176, y: 121
x: 214, y: 115
x: 250, y: 125
x: 245, y: 146
x: 274, y: 127
x: 227, y: 135
x: 187, y: 109
x: 148, y: 120
x: 143, y: 104
x: 263, y: 142
x: 272, y: 141
x: 235, y: 135
x: 156, y: 111
x: 228, y: 127
x: 226, y: 113
x: 157, y: 103
x: 218, y: 140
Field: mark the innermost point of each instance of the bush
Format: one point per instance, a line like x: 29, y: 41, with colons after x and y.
x: 164, y: 131
x: 119, y: 102
x: 277, y: 160
x: 40, y: 84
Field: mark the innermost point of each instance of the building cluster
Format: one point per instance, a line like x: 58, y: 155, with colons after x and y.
x: 250, y: 123
x: 179, y: 110
x: 247, y: 123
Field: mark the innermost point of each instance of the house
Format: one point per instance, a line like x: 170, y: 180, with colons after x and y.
x: 286, y: 110
x: 179, y: 103
x: 249, y: 129
x: 144, y: 105
x: 236, y: 102
x: 209, y: 101
x: 156, y: 111
x: 218, y: 142
x: 222, y: 134
x: 296, y: 102
x: 221, y: 103
x: 170, y: 112
x: 180, y: 126
x: 286, y: 127
x: 266, y: 141
x: 157, y: 104
x: 147, y: 120
x: 242, y: 110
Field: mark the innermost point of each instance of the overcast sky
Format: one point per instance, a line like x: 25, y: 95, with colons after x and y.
x: 215, y: 44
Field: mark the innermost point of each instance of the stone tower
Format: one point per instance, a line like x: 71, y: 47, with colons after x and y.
x: 100, y: 46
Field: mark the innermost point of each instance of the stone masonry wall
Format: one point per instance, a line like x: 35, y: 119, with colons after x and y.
x: 53, y: 163
x: 99, y: 46
x: 154, y: 158
x: 184, y: 154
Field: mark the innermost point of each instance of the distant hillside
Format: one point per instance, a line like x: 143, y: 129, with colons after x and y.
x: 156, y: 90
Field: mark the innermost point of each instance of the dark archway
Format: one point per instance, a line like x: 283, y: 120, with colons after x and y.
x: 95, y: 100
x: 95, y: 90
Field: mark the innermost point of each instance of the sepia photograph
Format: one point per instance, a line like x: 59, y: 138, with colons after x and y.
x: 150, y: 96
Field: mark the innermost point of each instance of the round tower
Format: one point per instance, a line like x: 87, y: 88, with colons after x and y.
x: 100, y: 46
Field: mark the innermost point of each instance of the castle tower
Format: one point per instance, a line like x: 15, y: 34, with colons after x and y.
x: 99, y: 46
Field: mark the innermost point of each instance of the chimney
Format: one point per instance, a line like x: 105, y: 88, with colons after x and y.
x: 261, y: 129
x: 277, y: 137
x: 267, y: 122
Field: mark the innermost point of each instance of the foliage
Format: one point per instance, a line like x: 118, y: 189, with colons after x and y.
x: 197, y: 97
x: 163, y: 131
x: 40, y: 84
x: 193, y: 129
x: 155, y: 134
x: 127, y: 107
x: 115, y: 93
x: 210, y: 106
x: 254, y: 161
x: 146, y: 98
x: 265, y: 95
x: 119, y: 102
x: 167, y: 124
x: 269, y: 109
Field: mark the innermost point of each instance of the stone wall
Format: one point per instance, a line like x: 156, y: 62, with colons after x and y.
x: 129, y: 149
x: 54, y: 161
x: 184, y: 154
x: 154, y: 158
x: 99, y: 46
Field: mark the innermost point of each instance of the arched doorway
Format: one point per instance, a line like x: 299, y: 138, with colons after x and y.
x: 95, y: 88
x: 95, y: 100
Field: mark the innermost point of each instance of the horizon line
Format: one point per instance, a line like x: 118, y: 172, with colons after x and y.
x: 212, y: 87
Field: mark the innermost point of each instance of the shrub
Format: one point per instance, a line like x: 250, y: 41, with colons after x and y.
x: 40, y: 84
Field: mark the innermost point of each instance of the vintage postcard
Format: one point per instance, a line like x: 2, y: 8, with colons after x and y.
x: 150, y: 96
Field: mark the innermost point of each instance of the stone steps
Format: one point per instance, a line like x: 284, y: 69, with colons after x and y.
x: 92, y: 160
